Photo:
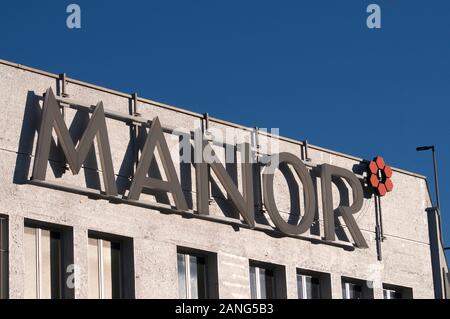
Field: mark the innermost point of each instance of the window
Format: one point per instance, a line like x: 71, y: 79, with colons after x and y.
x: 197, y: 274
x: 3, y: 258
x: 109, y: 277
x: 45, y: 262
x: 104, y: 269
x: 391, y: 294
x: 396, y: 292
x: 351, y: 291
x: 191, y: 277
x: 313, y: 285
x: 267, y: 281
x: 356, y: 289
x: 308, y: 287
x: 262, y: 283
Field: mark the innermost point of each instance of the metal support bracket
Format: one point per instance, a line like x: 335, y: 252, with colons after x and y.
x: 209, y: 137
x: 260, y: 203
x: 379, y: 236
x: 63, y: 85
x: 305, y: 150
x: 63, y: 93
x: 134, y: 127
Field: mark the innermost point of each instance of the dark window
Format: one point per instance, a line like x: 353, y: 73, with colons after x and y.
x: 313, y: 284
x: 262, y: 283
x: 351, y: 291
x: 110, y: 266
x: 106, y: 273
x: 396, y: 292
x: 192, y: 282
x: 197, y: 274
x: 308, y: 287
x: 356, y: 289
x: 391, y: 294
x: 3, y: 258
x: 267, y: 281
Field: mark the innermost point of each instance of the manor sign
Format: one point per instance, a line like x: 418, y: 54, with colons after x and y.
x: 244, y: 203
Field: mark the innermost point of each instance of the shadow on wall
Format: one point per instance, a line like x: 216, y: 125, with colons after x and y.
x: 28, y: 137
x: 30, y: 127
x: 138, y: 135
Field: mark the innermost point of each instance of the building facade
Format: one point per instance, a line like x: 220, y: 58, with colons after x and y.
x: 96, y: 203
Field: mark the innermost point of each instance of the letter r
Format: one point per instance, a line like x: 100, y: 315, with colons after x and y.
x: 327, y: 172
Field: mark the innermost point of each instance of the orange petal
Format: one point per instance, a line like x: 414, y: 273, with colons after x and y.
x: 380, y: 162
x: 373, y: 167
x: 381, y: 189
x: 389, y: 185
x: 374, y: 181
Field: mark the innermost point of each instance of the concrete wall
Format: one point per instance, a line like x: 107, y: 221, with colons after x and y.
x: 406, y: 250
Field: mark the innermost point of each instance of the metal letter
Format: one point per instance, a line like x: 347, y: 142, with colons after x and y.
x: 327, y: 171
x: 155, y: 139
x: 245, y: 202
x: 308, y: 189
x: 52, y: 118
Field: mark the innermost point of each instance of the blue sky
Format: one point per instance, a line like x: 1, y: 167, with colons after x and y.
x: 311, y: 68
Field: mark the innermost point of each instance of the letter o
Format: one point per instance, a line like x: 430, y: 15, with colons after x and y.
x: 310, y: 197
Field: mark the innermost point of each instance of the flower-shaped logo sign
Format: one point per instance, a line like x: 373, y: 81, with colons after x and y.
x: 380, y: 176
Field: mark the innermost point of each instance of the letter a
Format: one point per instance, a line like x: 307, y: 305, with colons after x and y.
x: 155, y: 139
x: 74, y: 19
x: 374, y: 20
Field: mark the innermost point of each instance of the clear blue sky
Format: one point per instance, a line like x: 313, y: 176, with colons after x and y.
x: 265, y: 63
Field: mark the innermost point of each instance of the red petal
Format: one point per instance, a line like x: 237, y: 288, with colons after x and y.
x: 373, y: 167
x: 380, y: 162
x: 374, y: 181
x: 388, y: 171
x: 389, y: 185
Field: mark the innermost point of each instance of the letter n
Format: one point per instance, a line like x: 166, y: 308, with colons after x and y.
x: 52, y: 118
x: 244, y: 203
x: 327, y: 172
x: 155, y: 138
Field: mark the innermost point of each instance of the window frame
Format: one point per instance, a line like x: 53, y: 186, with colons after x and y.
x: 210, y: 276
x: 100, y: 247
x: 404, y: 292
x: 347, y: 290
x: 323, y: 278
x: 279, y: 285
x: 390, y: 294
x: 303, y: 283
x: 258, y: 290
x: 366, y: 291
x: 64, y: 254
x: 126, y: 264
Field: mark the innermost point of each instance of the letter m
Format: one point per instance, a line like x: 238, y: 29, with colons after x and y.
x: 52, y: 118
